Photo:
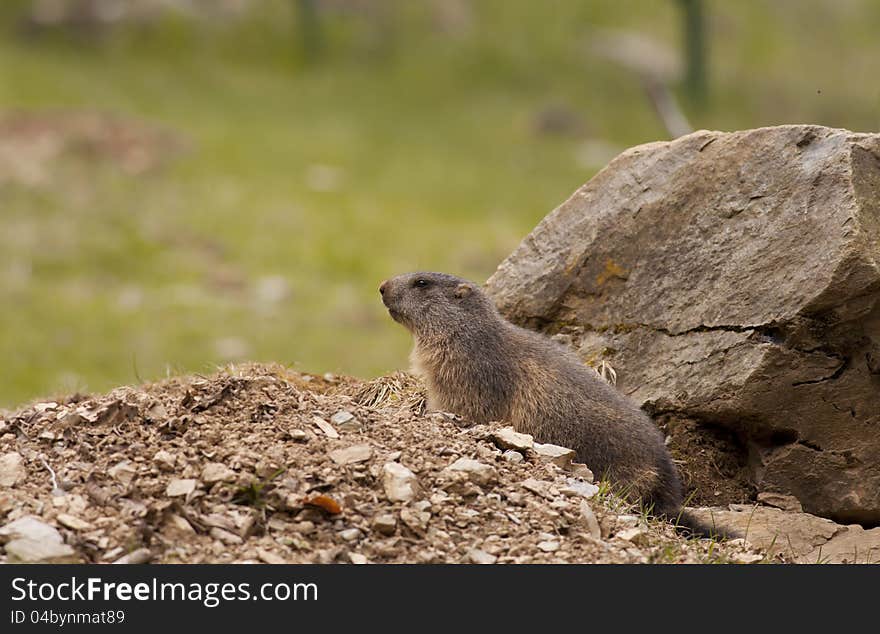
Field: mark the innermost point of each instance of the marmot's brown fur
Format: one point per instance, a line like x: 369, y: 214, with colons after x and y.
x: 483, y: 368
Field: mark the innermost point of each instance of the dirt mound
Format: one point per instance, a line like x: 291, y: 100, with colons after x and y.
x: 258, y: 463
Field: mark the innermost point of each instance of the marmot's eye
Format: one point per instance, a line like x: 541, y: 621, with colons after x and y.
x: 420, y: 283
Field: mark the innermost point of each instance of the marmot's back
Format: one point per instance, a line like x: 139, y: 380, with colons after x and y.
x: 484, y: 368
x: 564, y: 402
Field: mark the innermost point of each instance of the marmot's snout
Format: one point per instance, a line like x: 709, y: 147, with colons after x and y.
x: 389, y: 299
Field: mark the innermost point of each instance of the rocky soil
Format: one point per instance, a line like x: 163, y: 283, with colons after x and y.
x: 262, y: 464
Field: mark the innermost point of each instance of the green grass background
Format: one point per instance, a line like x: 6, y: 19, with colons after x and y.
x: 428, y: 133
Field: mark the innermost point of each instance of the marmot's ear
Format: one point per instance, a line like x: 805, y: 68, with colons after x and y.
x: 463, y: 290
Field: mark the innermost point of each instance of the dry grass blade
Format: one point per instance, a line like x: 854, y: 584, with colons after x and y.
x: 394, y: 390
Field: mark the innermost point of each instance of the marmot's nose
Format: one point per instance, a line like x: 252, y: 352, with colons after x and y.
x: 382, y: 287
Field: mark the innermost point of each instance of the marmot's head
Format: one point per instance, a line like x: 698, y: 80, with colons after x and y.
x: 436, y: 303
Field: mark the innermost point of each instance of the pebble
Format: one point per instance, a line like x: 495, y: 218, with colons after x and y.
x: 548, y: 546
x: 400, y: 483
x: 635, y: 535
x: 122, y: 471
x: 325, y: 427
x: 305, y: 527
x: 357, y: 558
x: 385, y: 524
x: 217, y: 472
x: 267, y: 556
x: 299, y: 435
x: 590, y: 520
x: 12, y: 469
x: 575, y: 488
x: 177, y: 523
x: 582, y: 471
x: 225, y: 536
x: 164, y: 460
x: 478, y: 556
x: 512, y: 456
x: 560, y: 456
x: 33, y: 541
x: 351, y: 455
x: 508, y: 438
x: 139, y: 556
x: 539, y: 487
x: 416, y: 520
x: 180, y: 487
x: 746, y: 558
x: 351, y: 534
x: 345, y: 421
x: 478, y: 472
x: 72, y: 522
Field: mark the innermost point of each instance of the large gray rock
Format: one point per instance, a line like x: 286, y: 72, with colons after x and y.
x: 732, y: 278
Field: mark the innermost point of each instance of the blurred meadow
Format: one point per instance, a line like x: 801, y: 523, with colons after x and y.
x: 184, y: 184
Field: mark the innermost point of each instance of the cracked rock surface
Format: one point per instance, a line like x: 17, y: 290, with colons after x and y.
x: 733, y: 279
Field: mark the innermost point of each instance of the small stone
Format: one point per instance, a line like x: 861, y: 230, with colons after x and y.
x: 538, y: 487
x: 29, y: 527
x: 123, y: 472
x: 157, y: 412
x: 72, y: 522
x: 478, y: 472
x: 512, y: 456
x: 508, y: 438
x: 478, y: 556
x: 560, y: 456
x: 351, y: 455
x: 305, y: 527
x: 164, y: 460
x: 180, y: 487
x: 385, y: 524
x: 177, y: 523
x: 351, y: 534
x: 217, y: 472
x: 42, y: 552
x: 267, y: 556
x: 220, y: 521
x: 582, y: 471
x: 746, y: 558
x: 549, y: 546
x: 416, y: 520
x: 325, y: 427
x: 31, y: 540
x: 299, y: 435
x: 589, y: 519
x: 399, y: 482
x: 357, y: 558
x: 225, y: 536
x: 12, y: 469
x: 635, y: 535
x: 575, y: 488
x: 345, y: 421
x: 139, y: 556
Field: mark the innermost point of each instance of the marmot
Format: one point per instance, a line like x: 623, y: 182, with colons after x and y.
x: 483, y: 368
